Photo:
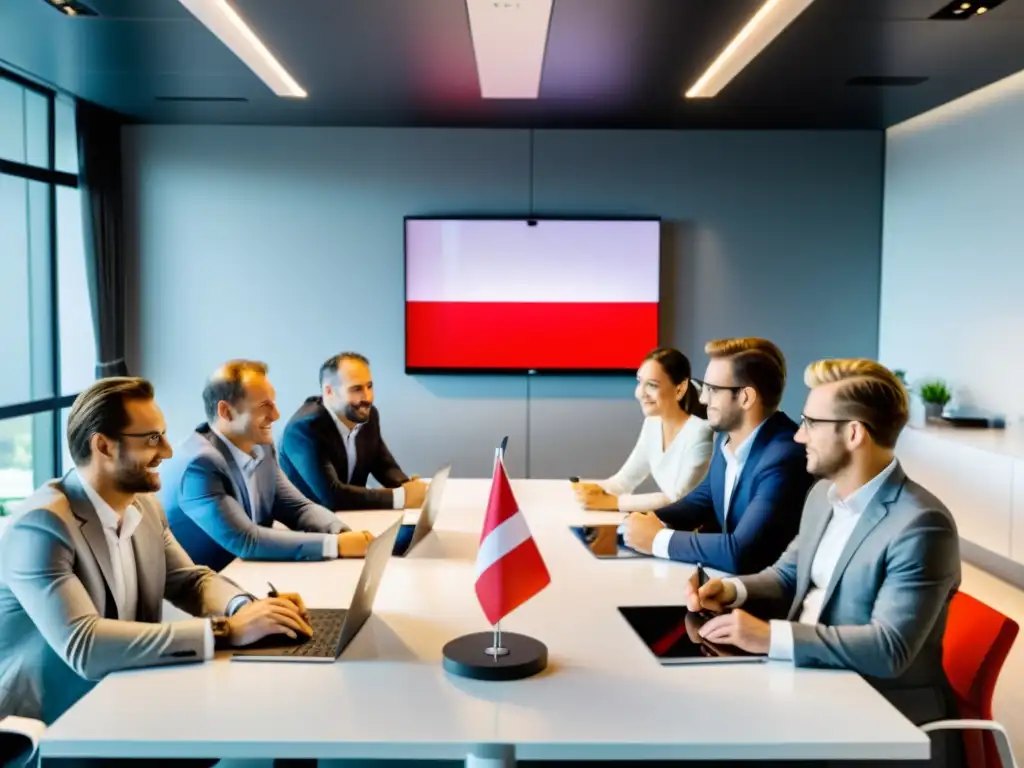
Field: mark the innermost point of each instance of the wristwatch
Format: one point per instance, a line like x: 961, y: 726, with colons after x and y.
x: 221, y: 632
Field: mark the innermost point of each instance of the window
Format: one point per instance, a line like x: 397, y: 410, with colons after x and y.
x: 26, y: 448
x: 46, y: 334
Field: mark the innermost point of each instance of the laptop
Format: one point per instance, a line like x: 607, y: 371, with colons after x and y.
x: 670, y: 633
x: 411, y: 534
x: 605, y: 541
x: 333, y: 628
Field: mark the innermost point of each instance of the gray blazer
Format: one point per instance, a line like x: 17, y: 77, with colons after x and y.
x: 59, y: 631
x: 210, y: 512
x: 884, y: 611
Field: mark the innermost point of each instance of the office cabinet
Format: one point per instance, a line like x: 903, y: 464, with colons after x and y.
x: 1017, y: 523
x: 977, y: 486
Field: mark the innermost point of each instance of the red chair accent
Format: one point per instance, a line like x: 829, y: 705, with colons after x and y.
x: 974, y: 648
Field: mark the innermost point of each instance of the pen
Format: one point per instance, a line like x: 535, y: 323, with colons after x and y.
x: 273, y: 590
x: 702, y: 576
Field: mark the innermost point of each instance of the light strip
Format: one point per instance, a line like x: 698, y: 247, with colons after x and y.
x: 764, y: 26
x: 224, y: 21
x: 509, y: 39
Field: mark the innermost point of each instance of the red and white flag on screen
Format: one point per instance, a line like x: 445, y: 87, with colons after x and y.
x: 509, y: 568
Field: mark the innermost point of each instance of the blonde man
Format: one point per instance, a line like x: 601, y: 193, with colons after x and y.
x: 867, y: 582
x: 745, y: 512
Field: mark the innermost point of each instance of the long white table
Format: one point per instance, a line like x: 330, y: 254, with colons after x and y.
x: 604, y: 696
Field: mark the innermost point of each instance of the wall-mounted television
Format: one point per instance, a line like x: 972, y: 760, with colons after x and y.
x: 517, y: 295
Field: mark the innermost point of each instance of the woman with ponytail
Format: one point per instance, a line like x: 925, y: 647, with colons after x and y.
x: 674, y: 445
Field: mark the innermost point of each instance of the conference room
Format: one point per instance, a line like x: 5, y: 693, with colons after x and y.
x: 502, y: 346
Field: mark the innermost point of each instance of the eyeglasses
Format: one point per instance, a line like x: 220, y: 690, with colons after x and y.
x: 153, y: 439
x: 808, y: 422
x: 710, y: 389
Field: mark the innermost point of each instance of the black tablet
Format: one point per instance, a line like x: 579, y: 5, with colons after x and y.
x: 605, y: 541
x: 670, y: 633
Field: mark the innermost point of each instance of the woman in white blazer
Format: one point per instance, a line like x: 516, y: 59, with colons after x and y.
x: 674, y: 445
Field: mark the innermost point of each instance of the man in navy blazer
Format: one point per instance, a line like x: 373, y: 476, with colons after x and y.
x: 332, y: 445
x: 747, y: 509
x: 223, y: 489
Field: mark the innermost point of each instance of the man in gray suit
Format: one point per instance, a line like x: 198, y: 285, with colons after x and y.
x: 867, y: 582
x: 88, y: 560
x: 224, y: 490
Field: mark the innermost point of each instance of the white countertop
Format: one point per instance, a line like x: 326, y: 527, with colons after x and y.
x: 604, y: 696
x: 1007, y: 442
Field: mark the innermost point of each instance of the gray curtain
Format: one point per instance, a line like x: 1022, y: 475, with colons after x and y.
x: 99, y: 180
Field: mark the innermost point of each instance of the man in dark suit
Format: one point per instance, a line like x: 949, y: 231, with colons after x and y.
x: 747, y: 509
x: 332, y: 445
x: 223, y: 489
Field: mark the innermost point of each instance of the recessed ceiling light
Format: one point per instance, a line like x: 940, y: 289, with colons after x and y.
x: 509, y: 40
x: 223, y: 20
x: 764, y: 26
x: 961, y: 10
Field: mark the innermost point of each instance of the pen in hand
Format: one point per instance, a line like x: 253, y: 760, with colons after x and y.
x: 702, y: 579
x: 273, y: 591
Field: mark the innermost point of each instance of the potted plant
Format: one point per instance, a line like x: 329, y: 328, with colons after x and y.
x: 934, y: 394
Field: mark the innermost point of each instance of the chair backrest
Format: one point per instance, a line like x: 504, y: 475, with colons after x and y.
x: 974, y: 648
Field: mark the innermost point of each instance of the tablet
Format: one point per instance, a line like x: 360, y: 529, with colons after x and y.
x: 670, y: 633
x: 605, y: 541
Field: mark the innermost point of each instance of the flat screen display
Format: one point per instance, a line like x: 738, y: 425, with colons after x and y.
x: 520, y: 295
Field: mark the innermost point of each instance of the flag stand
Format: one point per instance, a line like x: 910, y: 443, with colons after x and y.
x: 483, y: 656
x: 497, y: 655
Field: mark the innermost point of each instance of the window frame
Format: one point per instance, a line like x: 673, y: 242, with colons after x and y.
x: 53, y: 178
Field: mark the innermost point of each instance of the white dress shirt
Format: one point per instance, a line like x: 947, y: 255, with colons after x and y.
x: 118, y: 531
x: 734, y: 463
x: 845, y: 515
x: 348, y: 437
x: 247, y: 464
x: 677, y: 469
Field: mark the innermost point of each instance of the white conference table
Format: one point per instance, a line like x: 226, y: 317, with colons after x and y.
x: 603, y: 696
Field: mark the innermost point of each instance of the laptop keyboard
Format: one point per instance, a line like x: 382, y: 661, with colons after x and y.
x: 326, y: 624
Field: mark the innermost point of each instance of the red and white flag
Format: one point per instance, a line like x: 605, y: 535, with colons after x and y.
x: 509, y: 568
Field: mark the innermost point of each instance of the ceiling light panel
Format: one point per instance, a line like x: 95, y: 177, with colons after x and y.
x: 232, y: 30
x: 769, y: 22
x: 509, y: 39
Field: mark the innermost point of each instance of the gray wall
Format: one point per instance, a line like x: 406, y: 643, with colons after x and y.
x: 954, y: 260
x: 286, y: 244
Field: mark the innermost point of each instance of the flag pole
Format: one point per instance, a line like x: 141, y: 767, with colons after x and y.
x: 496, y: 648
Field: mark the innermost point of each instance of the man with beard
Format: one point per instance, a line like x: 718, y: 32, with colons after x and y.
x: 867, y: 582
x: 224, y: 490
x: 88, y: 560
x: 746, y: 510
x: 332, y: 445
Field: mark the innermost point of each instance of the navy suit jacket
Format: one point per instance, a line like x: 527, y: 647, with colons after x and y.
x: 313, y: 457
x: 208, y: 508
x: 764, y: 510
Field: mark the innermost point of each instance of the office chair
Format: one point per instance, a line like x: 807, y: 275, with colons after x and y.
x: 978, y: 638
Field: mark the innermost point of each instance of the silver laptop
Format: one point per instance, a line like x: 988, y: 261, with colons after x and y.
x: 411, y: 534
x: 333, y: 628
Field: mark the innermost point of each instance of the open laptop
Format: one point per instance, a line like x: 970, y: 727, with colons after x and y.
x: 411, y: 534
x: 605, y: 541
x: 333, y: 628
x: 670, y: 633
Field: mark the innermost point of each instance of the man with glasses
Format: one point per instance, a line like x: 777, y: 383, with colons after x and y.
x: 88, y: 560
x: 747, y: 509
x: 867, y: 582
